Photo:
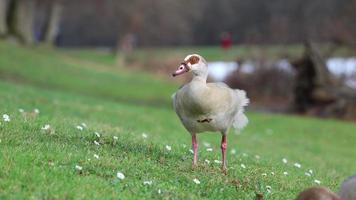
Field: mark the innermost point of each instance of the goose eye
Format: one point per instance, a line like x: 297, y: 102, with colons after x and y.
x: 180, y: 67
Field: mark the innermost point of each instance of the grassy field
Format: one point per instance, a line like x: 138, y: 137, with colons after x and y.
x: 131, y: 111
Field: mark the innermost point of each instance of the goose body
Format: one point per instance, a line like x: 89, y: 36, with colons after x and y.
x: 210, y: 107
x: 203, y: 106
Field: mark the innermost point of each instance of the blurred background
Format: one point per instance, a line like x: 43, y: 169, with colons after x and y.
x: 296, y: 56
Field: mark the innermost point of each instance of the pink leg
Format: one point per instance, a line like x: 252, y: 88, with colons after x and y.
x: 223, y: 151
x: 195, y: 148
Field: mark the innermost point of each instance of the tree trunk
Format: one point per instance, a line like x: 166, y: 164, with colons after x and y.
x: 3, y: 13
x: 51, y: 27
x: 21, y: 20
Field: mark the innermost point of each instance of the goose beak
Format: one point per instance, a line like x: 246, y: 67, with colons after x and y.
x: 183, y: 68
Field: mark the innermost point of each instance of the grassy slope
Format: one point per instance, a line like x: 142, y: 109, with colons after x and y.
x: 68, y: 91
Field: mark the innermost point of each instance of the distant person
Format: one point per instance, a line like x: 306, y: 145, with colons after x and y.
x: 317, y: 193
x: 225, y: 40
x: 348, y: 189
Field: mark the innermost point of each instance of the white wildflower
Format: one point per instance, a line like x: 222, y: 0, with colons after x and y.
x: 144, y: 135
x: 310, y: 171
x: 196, y: 181
x: 21, y: 110
x: 191, y: 151
x: 209, y: 149
x: 317, y: 181
x: 159, y: 191
x: 285, y: 173
x: 46, y: 127
x: 244, y: 155
x: 233, y: 151
x: 96, y: 156
x: 97, y: 134
x: 297, y: 165
x: 78, y: 167
x: 285, y: 161
x: 217, y: 161
x: 243, y: 166
x: 168, y: 147
x: 257, y: 157
x: 264, y: 174
x: 307, y: 174
x: 120, y: 175
x: 206, y: 144
x: 96, y: 142
x: 116, y: 138
x: 36, y: 111
x: 84, y: 125
x: 272, y: 173
x: 269, y: 131
x: 147, y: 182
x: 6, y: 117
x: 79, y: 128
x: 269, y: 188
x: 207, y: 161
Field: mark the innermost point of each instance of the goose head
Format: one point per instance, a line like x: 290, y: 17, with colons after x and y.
x: 192, y: 63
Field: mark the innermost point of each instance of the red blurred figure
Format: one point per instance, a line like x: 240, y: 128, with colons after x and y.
x: 225, y: 40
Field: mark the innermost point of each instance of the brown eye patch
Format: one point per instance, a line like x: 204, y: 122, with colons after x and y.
x: 193, y: 60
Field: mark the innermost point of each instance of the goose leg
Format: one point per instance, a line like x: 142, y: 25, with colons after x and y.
x: 195, y: 149
x: 223, y: 151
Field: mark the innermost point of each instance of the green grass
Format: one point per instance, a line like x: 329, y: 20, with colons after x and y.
x: 70, y: 90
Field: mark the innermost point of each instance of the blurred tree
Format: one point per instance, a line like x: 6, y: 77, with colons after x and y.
x: 51, y: 26
x: 20, y: 20
x: 3, y: 13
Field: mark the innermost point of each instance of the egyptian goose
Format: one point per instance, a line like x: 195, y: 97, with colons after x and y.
x: 203, y: 106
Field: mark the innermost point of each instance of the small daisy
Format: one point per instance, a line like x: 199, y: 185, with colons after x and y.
x: 310, y: 171
x: 207, y: 161
x: 77, y: 167
x: 159, y: 191
x: 297, y: 165
x: 169, y: 148
x: 79, y: 128
x: 84, y: 125
x: 97, y: 134
x: 120, y: 175
x: 96, y: 156
x: 269, y: 188
x: 6, y: 117
x: 116, y: 138
x: 307, y: 174
x: 46, y: 127
x: 191, y: 151
x: 285, y: 173
x: 147, y: 182
x: 317, y: 181
x: 243, y: 166
x: 36, y: 111
x: 144, y: 135
x: 264, y: 174
x: 206, y: 144
x: 21, y: 110
x: 196, y: 181
x: 96, y: 142
x: 217, y: 161
x: 209, y: 149
x: 285, y: 161
x: 257, y: 157
x: 233, y: 151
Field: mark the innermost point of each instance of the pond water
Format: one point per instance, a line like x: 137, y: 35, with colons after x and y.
x: 338, y: 66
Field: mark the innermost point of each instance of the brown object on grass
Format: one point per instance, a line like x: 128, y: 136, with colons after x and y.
x: 317, y: 193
